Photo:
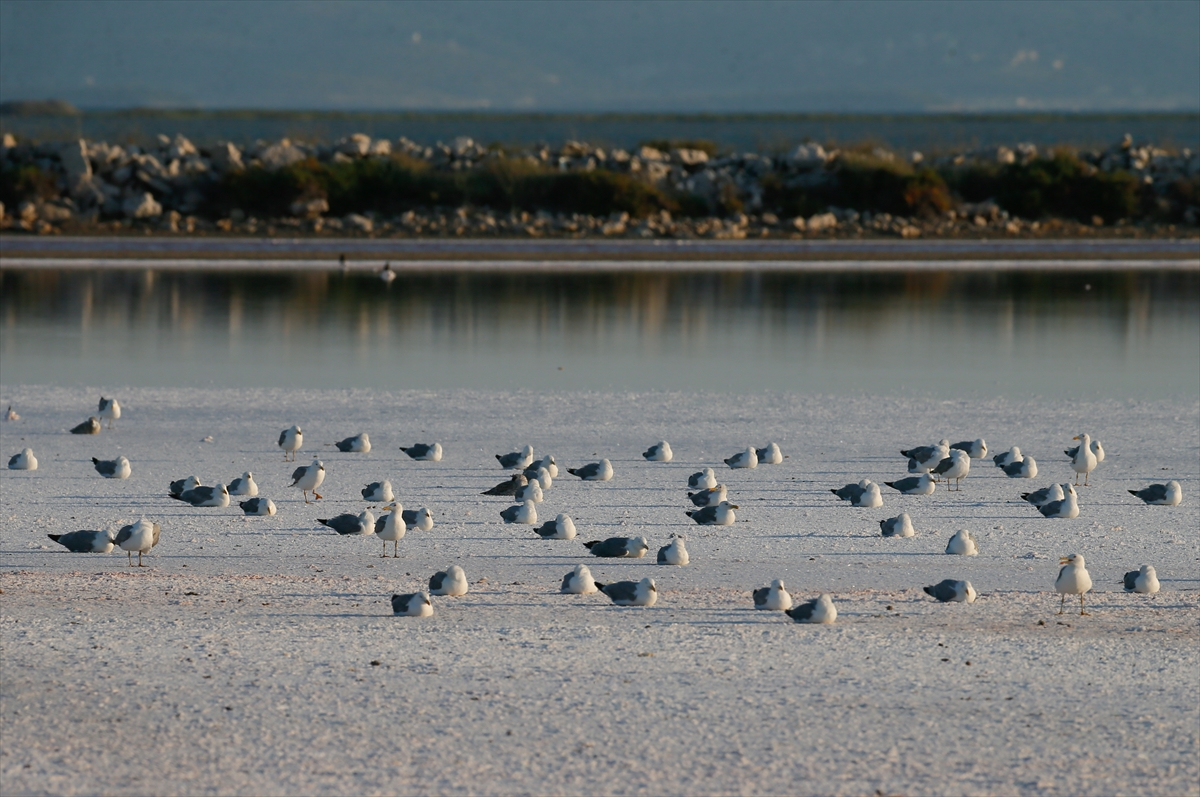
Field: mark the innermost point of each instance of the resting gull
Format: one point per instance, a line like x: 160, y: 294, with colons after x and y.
x: 1073, y: 579
x: 379, y: 491
x: 1084, y: 461
x: 390, y: 527
x: 112, y: 468
x: 818, y: 610
x: 140, y: 536
x: 1143, y: 580
x: 962, y: 544
x: 899, y: 526
x: 257, y: 506
x: 600, y: 471
x: 770, y: 455
x: 452, y: 582
x: 245, y: 485
x: 217, y: 496
x: 865, y: 494
x: 914, y: 485
x: 523, y: 513
x: 1169, y: 494
x: 90, y: 426
x: 414, y: 604
x: 349, y: 525
x: 510, y: 487
x: 1024, y: 468
x: 579, y: 581
x: 518, y: 460
x: 1045, y: 495
x: 1066, y: 508
x: 631, y: 593
x: 674, y: 553
x: 290, y: 440
x: 659, y: 452
x: 309, y: 478
x: 1008, y: 457
x: 23, y: 461
x: 1097, y: 449
x: 561, y: 528
x: 546, y: 462
x: 11, y: 414
x: 976, y: 449
x: 719, y: 515
x: 530, y: 492
x: 956, y: 467
x: 705, y: 479
x: 359, y: 444
x: 417, y: 519
x: 744, y: 459
x: 924, y: 458
x: 774, y: 598
x: 424, y: 452
x: 178, y: 486
x: 109, y: 410
x: 951, y: 591
x: 619, y: 547
x: 84, y: 541
x: 709, y: 497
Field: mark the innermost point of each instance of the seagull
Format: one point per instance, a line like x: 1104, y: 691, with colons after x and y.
x: 1066, y: 508
x: 709, y: 497
x: 290, y: 440
x: 530, y: 492
x: 773, y: 598
x: 112, y: 468
x: 546, y: 462
x: 244, y: 485
x: 865, y: 494
x: 674, y: 553
x: 1011, y: 455
x: 258, y: 506
x: 386, y: 274
x: 1045, y: 495
x: 962, y: 544
x: 417, y: 519
x: 744, y: 459
x: 178, y: 486
x: 1073, y: 579
x: 415, y: 604
x: 719, y: 515
x: 951, y: 591
x: 899, y: 526
x: 11, y: 414
x: 518, y: 460
x: 619, y: 547
x: 359, y: 444
x: 1169, y: 494
x: 705, y: 479
x: 1097, y: 449
x: 631, y: 593
x: 976, y: 449
x: 452, y: 581
x: 579, y: 581
x: 600, y: 471
x: 543, y: 478
x: 424, y: 452
x: 109, y: 410
x: 771, y: 455
x: 818, y: 610
x: 309, y: 478
x: 348, y: 525
x: 90, y: 426
x: 140, y: 537
x: 523, y: 513
x: 89, y: 541
x: 1084, y: 461
x: 1143, y: 580
x: 1025, y: 468
x: 659, y: 452
x: 561, y: 528
x: 378, y: 491
x: 914, y: 485
x: 27, y: 461
x: 217, y: 496
x: 390, y: 527
x: 924, y: 458
x: 956, y: 466
x: 510, y: 487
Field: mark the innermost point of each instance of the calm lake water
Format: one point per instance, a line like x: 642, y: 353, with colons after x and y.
x: 1103, y: 333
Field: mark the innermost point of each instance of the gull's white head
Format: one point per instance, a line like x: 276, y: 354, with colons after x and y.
x: 1072, y: 560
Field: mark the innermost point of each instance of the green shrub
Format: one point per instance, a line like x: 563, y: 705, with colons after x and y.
x: 25, y: 182
x: 597, y: 193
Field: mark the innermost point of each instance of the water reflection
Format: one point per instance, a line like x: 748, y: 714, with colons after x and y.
x: 1016, y: 333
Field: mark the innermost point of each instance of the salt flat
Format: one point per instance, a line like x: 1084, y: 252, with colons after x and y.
x: 259, y: 655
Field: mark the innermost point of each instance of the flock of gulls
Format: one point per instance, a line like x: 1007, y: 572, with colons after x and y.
x: 929, y: 466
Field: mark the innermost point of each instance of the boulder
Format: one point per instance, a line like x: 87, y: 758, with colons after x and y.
x: 354, y: 221
x: 310, y: 208
x: 800, y: 223
x: 651, y: 154
x: 381, y: 147
x: 181, y: 148
x: 809, y: 156
x: 141, y: 206
x: 280, y: 155
x: 356, y: 145
x: 227, y: 157
x: 689, y: 157
x: 822, y: 221
x: 74, y: 158
x: 55, y: 214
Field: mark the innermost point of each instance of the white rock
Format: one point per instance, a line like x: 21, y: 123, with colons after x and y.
x: 141, y: 206
x: 356, y: 145
x: 356, y: 222
x: 227, y: 157
x: 309, y: 208
x: 822, y: 221
x: 689, y: 157
x: 381, y: 147
x: 651, y: 154
x: 181, y: 148
x: 285, y: 153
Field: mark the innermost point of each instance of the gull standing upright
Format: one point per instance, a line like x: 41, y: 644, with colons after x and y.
x: 956, y: 466
x: 390, y: 527
x: 1073, y: 579
x: 291, y: 440
x: 308, y: 479
x: 140, y: 536
x: 110, y: 410
x: 1084, y: 461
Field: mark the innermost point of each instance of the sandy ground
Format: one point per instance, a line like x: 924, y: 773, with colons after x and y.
x: 259, y: 655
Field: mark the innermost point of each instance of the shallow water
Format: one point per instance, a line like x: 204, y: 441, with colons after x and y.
x: 1115, y: 334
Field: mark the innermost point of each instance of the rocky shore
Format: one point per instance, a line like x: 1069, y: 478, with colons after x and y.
x: 359, y: 186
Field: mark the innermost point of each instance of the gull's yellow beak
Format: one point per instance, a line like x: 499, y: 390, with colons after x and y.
x: 1076, y: 437
x: 1063, y: 560
x: 735, y: 506
x: 390, y: 507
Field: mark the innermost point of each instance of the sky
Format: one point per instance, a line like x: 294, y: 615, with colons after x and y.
x: 722, y: 57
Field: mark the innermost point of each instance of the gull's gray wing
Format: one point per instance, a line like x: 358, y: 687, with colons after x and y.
x: 620, y: 590
x: 705, y: 517
x: 803, y: 611
x: 943, y: 590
